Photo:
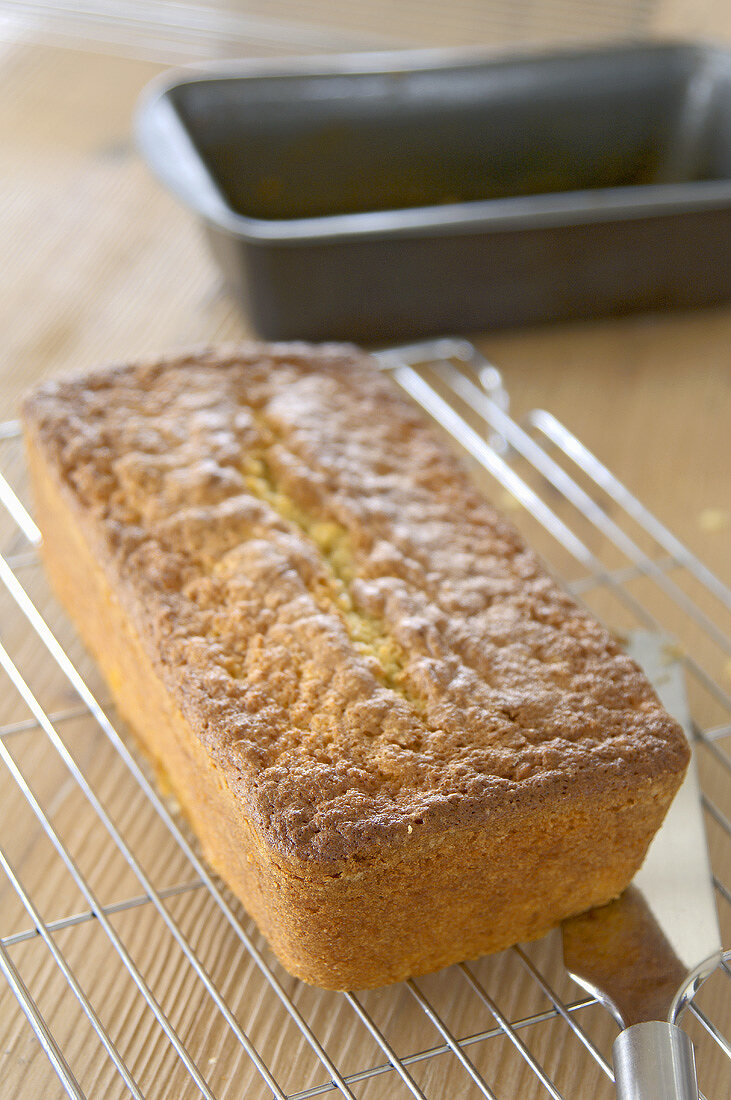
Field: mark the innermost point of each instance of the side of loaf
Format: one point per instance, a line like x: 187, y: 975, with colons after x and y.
x: 400, y: 742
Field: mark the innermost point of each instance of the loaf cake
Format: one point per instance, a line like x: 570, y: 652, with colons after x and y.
x: 400, y: 743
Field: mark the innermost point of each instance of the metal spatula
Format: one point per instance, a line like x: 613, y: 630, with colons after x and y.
x: 644, y: 955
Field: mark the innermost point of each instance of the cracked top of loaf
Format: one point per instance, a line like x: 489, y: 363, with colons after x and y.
x: 364, y: 646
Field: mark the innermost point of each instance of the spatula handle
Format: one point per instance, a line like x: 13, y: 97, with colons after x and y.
x: 654, y: 1061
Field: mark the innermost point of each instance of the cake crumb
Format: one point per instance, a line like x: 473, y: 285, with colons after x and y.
x: 671, y: 652
x: 508, y: 502
x: 713, y: 520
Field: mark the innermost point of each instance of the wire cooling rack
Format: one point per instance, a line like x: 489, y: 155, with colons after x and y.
x: 140, y: 974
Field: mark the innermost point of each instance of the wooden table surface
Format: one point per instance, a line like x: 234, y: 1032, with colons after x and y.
x: 101, y: 264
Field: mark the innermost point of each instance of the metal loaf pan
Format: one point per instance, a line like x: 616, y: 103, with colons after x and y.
x: 375, y: 197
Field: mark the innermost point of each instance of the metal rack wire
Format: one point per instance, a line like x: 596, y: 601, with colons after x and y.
x: 130, y: 960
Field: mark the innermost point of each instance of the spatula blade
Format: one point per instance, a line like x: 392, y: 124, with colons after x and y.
x: 646, y: 953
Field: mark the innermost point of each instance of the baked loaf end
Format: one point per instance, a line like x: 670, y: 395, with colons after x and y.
x: 400, y: 743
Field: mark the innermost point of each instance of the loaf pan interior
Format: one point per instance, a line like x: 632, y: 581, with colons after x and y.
x: 310, y: 145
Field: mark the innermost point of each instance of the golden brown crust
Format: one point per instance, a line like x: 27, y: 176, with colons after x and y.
x: 362, y: 645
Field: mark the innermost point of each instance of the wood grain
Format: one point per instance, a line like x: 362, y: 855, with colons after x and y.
x: 100, y: 264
